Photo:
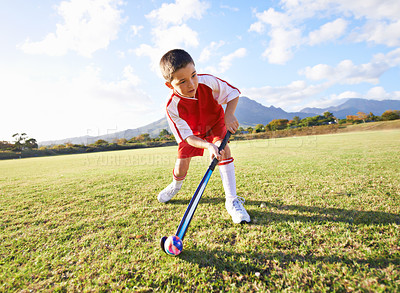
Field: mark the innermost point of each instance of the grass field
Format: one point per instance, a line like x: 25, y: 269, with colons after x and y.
x: 325, y: 217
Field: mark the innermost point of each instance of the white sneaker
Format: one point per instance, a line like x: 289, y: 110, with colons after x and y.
x: 237, y: 211
x: 168, y: 192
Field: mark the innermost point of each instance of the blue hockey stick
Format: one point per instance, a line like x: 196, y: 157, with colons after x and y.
x: 187, y: 217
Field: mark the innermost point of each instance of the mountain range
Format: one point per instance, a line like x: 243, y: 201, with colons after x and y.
x: 352, y: 106
x: 249, y: 113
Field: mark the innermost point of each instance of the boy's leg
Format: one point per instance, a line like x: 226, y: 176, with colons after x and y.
x: 179, y: 174
x: 233, y: 203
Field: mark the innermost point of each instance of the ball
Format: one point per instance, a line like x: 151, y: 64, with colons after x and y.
x: 173, y: 245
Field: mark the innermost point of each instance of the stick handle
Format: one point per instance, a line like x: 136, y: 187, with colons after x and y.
x: 220, y: 148
x: 187, y: 217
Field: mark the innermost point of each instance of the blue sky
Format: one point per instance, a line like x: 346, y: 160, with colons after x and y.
x: 89, y: 67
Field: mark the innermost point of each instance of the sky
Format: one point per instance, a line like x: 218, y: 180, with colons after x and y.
x: 90, y: 67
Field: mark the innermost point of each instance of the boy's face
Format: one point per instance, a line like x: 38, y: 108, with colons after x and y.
x: 185, y: 81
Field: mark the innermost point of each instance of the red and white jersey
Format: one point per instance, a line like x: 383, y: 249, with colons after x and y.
x: 196, y: 116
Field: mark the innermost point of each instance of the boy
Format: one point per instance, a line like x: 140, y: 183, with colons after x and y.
x: 198, y: 122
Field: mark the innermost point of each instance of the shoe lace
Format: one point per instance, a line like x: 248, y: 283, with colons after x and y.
x: 238, y: 203
x: 172, y: 188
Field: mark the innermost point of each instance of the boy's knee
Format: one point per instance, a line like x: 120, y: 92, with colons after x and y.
x: 181, y: 167
x: 227, y: 153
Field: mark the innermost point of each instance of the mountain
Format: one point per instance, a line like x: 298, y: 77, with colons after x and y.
x: 249, y: 113
x: 352, y: 106
x: 153, y: 129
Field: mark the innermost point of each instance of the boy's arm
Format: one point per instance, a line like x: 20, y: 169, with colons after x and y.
x: 231, y: 122
x: 202, y: 144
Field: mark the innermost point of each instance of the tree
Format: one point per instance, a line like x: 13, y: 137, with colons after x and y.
x: 259, y: 128
x: 296, y: 120
x: 19, y: 140
x: 312, y: 121
x: 22, y: 141
x: 249, y: 129
x: 101, y: 142
x: 391, y: 115
x: 239, y: 130
x: 278, y: 124
x: 328, y: 115
x: 143, y: 137
x: 122, y: 141
x: 31, y: 144
x: 353, y: 119
x: 362, y: 116
x: 164, y: 133
x: 372, y: 117
x: 5, y: 145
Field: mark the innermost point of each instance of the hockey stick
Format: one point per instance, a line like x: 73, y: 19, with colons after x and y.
x: 187, y: 217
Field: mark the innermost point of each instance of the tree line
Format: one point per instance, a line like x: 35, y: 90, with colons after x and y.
x: 21, y: 142
x: 326, y: 119
x: 23, y: 146
x: 29, y: 146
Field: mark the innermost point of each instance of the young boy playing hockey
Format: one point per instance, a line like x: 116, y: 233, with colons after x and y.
x: 198, y: 122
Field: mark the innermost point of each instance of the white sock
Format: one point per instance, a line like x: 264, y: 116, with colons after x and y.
x: 227, y: 172
x: 178, y: 183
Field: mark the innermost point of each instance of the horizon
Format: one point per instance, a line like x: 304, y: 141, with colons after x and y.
x: 73, y: 68
x: 304, y: 111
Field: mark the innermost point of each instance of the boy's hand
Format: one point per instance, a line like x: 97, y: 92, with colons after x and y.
x: 231, y: 123
x: 213, y: 149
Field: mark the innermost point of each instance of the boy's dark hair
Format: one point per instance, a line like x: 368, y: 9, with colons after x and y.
x: 172, y: 61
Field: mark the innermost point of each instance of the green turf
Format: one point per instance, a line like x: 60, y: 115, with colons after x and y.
x: 325, y: 217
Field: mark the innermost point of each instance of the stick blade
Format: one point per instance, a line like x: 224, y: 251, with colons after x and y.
x: 162, y: 242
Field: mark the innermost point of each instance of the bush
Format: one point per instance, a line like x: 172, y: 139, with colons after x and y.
x: 101, y: 142
x: 391, y: 115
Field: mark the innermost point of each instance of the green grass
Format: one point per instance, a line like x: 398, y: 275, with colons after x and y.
x: 325, y: 217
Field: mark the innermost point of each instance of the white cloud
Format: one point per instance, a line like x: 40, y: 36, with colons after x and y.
x: 136, y: 29
x: 344, y: 95
x: 371, y: 9
x: 372, y: 21
x: 178, y: 12
x: 166, y: 39
x: 231, y: 8
x: 284, y: 36
x: 300, y: 94
x: 346, y: 72
x: 209, y: 50
x: 329, y: 31
x: 288, y: 97
x: 176, y: 36
x: 380, y: 32
x: 226, y: 61
x: 375, y: 93
x: 379, y: 93
x: 331, y: 100
x: 318, y: 72
x: 121, y: 54
x: 87, y: 26
x: 274, y: 18
x: 70, y: 107
x: 257, y: 27
x: 280, y: 48
x: 170, y: 30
